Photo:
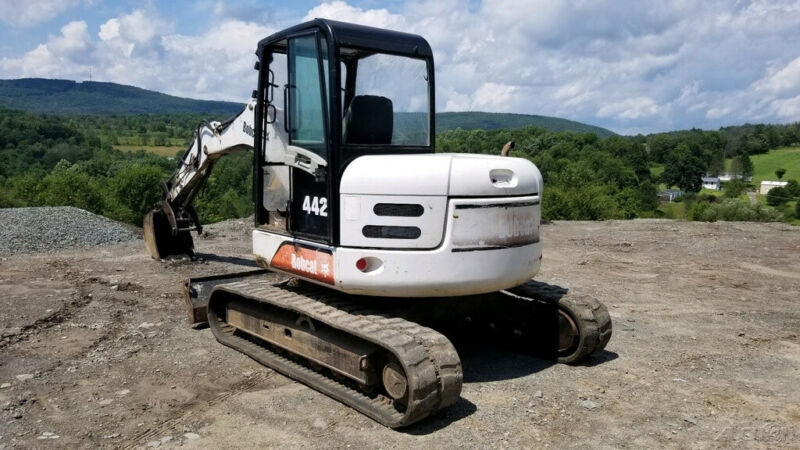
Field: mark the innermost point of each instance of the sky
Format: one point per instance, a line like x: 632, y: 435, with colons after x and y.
x: 633, y: 66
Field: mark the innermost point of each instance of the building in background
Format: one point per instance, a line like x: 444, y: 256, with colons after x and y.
x: 669, y: 195
x: 711, y: 183
x: 767, y: 186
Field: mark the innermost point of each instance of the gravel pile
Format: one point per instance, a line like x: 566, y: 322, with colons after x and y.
x: 51, y: 228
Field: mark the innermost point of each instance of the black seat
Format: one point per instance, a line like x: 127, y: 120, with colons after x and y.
x: 369, y: 120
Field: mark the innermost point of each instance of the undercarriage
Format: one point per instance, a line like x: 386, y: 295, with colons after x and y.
x: 391, y: 360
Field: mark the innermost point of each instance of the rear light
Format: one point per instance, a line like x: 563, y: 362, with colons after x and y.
x: 369, y: 265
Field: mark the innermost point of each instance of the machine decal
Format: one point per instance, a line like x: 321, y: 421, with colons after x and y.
x: 306, y: 261
x: 248, y: 130
x: 315, y: 205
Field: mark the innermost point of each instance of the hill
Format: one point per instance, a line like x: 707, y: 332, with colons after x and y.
x: 765, y: 164
x: 494, y: 121
x: 66, y: 97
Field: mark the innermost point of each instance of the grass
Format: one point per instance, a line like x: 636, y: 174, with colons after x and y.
x: 673, y: 210
x: 161, y: 150
x: 787, y: 158
x: 713, y: 192
x: 764, y: 165
x: 656, y: 170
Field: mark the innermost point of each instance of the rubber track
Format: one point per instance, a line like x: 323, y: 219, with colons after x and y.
x: 431, y: 363
x: 595, y: 322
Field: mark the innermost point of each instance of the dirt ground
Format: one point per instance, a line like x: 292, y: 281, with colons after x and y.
x: 95, y: 352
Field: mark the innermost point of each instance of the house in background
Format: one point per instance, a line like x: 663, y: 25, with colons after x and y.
x: 767, y: 186
x: 725, y: 176
x: 711, y: 183
x: 669, y: 195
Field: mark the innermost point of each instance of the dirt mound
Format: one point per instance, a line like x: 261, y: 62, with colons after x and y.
x: 26, y: 230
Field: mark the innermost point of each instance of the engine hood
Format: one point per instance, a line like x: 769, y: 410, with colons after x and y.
x: 441, y: 174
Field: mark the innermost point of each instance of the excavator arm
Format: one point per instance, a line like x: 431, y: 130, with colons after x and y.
x: 167, y: 228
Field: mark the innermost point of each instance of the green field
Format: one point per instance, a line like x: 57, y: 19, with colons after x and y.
x: 656, y: 170
x: 673, y: 210
x: 161, y: 150
x: 764, y: 165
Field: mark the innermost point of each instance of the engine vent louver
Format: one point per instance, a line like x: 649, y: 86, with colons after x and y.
x: 390, y: 232
x: 398, y: 209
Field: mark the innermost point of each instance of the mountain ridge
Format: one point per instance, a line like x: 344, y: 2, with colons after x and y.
x: 71, y: 98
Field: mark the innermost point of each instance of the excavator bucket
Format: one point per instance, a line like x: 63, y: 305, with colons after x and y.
x: 160, y: 238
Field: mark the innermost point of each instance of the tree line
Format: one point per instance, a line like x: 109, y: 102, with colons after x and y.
x: 54, y: 160
x: 66, y: 161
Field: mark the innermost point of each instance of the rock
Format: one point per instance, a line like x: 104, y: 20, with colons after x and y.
x: 5, y: 385
x: 319, y: 423
x: 105, y: 402
x: 51, y: 228
x: 153, y: 444
x: 115, y: 287
x: 123, y: 392
x: 191, y: 436
x: 590, y: 405
x: 47, y: 435
x: 538, y: 394
x: 166, y: 439
x: 741, y: 333
x: 146, y: 325
x: 690, y: 420
x: 25, y: 376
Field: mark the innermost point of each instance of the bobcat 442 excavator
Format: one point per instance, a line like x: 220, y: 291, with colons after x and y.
x: 382, y: 240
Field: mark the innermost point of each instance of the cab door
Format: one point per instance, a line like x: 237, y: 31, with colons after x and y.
x: 306, y: 96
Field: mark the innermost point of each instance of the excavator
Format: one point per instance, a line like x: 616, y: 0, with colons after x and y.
x: 386, y: 247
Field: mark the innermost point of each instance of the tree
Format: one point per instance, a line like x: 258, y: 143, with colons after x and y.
x: 136, y: 189
x: 745, y: 165
x: 792, y: 188
x: 683, y: 169
x: 780, y: 172
x: 717, y: 165
x: 777, y: 196
x: 70, y: 187
x: 734, y: 188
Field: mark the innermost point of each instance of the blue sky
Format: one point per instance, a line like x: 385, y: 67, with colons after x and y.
x: 631, y: 66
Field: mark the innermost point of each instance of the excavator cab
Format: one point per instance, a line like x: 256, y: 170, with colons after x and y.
x: 330, y: 92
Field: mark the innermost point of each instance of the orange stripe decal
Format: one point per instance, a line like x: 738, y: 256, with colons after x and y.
x: 305, y: 261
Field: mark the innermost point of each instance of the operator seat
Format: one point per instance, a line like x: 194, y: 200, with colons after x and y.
x: 369, y: 120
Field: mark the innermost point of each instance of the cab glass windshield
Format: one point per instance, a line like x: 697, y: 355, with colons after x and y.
x: 387, y: 102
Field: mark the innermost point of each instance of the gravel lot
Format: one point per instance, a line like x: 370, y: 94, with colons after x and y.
x: 95, y: 352
x: 25, y: 230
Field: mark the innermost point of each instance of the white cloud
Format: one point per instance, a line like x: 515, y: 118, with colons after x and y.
x: 139, y: 48
x: 628, y: 65
x: 631, y: 108
x: 64, y: 53
x: 23, y: 13
x: 785, y: 79
x: 340, y: 10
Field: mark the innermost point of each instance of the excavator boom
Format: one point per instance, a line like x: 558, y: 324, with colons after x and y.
x: 167, y: 228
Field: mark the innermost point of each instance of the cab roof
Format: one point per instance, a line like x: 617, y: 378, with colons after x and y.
x: 356, y: 36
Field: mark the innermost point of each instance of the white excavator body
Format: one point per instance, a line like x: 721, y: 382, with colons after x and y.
x: 386, y: 245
